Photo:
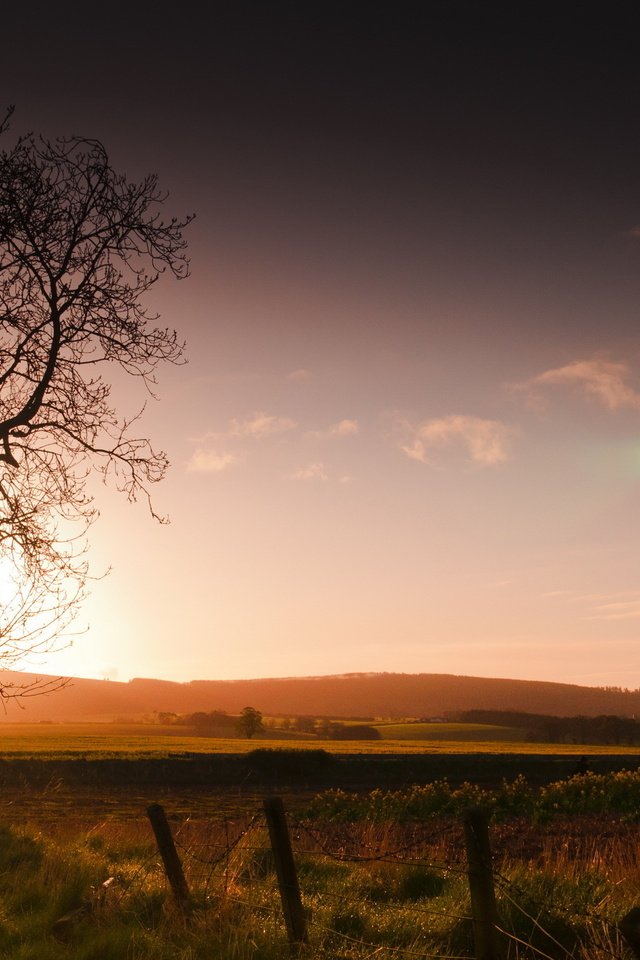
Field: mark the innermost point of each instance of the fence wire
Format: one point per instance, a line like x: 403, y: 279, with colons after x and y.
x: 229, y: 861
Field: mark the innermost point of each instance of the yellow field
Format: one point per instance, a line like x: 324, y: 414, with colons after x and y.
x: 129, y: 740
x: 447, y: 731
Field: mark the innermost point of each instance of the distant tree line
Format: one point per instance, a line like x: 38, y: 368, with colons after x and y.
x: 605, y: 729
x: 218, y: 723
x: 326, y: 729
x: 204, y: 722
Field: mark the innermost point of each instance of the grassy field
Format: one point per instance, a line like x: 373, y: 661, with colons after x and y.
x: 469, y: 732
x: 382, y: 874
x: 96, y: 740
x: 400, y: 893
x: 130, y: 740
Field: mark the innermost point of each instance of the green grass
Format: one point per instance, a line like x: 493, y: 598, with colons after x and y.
x: 380, y: 906
x: 467, y: 732
x: 102, y: 740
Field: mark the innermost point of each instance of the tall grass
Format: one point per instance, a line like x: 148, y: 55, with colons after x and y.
x: 372, y: 887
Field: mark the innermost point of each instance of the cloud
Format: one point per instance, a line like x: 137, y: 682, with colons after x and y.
x: 255, y: 427
x: 211, y: 461
x: 604, y: 380
x: 261, y: 424
x: 615, y: 606
x: 617, y: 610
x: 343, y: 428
x: 314, y: 471
x: 486, y: 441
x: 300, y: 376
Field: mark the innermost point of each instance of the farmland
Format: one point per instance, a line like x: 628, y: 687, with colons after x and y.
x: 110, y: 740
x: 72, y: 815
x: 387, y: 883
x: 450, y: 732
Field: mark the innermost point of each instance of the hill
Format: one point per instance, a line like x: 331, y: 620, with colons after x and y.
x: 345, y: 695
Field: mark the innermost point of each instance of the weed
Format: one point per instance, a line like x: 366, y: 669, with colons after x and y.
x: 372, y: 887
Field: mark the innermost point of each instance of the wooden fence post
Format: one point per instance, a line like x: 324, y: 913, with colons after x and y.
x: 483, y: 901
x: 293, y: 910
x: 629, y: 927
x: 169, y: 854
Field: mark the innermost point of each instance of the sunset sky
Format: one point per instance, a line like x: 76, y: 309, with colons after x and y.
x: 408, y: 435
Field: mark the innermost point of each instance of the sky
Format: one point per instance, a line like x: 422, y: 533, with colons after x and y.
x: 408, y: 435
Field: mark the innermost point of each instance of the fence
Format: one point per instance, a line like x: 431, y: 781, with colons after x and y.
x: 210, y: 866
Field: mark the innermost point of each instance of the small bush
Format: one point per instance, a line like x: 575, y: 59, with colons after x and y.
x: 349, y: 924
x: 588, y: 793
x: 420, y: 884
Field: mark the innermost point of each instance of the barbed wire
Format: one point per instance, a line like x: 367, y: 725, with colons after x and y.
x: 604, y: 949
x: 400, y: 907
x: 441, y: 866
x: 204, y: 878
x: 526, y: 943
x: 150, y: 865
x: 227, y: 848
x: 212, y: 853
x: 406, y: 951
x: 506, y: 883
x: 422, y: 831
x: 260, y: 907
x: 388, y: 856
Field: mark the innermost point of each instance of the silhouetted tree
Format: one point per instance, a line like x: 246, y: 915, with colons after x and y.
x: 250, y: 722
x: 80, y: 247
x: 329, y: 729
x: 324, y: 727
x: 305, y: 724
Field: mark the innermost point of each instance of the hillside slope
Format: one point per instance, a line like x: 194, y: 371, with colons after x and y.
x: 348, y: 695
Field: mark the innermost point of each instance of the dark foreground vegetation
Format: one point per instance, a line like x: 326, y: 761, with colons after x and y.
x: 308, y: 769
x: 382, y: 874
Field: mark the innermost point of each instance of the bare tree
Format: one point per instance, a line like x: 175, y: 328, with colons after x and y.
x: 80, y: 247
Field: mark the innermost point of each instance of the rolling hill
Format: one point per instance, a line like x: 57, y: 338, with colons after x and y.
x: 345, y: 695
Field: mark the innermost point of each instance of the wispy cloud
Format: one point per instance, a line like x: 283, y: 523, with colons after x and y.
x: 300, y: 375
x: 617, y: 605
x: 604, y: 380
x: 211, y: 461
x: 261, y: 424
x: 255, y: 427
x: 486, y: 441
x: 313, y: 471
x: 617, y: 610
x: 343, y: 428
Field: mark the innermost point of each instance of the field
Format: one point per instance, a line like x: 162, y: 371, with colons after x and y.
x: 468, y: 732
x: 382, y: 872
x: 104, y: 740
x: 389, y: 887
